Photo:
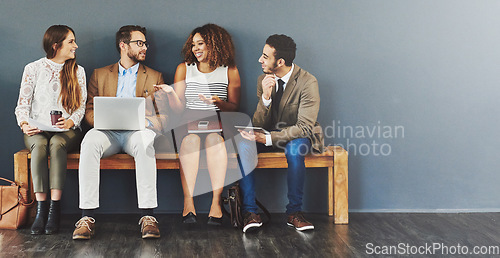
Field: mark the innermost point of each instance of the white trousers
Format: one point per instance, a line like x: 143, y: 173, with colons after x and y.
x: 98, y: 144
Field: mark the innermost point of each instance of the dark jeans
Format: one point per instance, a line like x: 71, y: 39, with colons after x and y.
x: 295, y: 152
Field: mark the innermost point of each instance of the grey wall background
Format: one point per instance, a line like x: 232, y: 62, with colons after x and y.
x: 430, y: 68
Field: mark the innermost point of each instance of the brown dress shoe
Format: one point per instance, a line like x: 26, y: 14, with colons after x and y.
x: 84, y: 228
x: 149, y: 227
x: 250, y: 221
x: 298, y: 221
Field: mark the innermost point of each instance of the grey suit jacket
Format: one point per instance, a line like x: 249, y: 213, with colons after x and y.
x: 298, y: 111
x: 104, y: 82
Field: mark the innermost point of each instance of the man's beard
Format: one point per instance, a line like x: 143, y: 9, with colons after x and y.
x: 271, y: 70
x: 135, y: 57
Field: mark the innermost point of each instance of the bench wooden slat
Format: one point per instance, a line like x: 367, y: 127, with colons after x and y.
x: 170, y: 160
x: 335, y: 158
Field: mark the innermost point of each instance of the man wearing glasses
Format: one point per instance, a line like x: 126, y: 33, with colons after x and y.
x: 126, y: 78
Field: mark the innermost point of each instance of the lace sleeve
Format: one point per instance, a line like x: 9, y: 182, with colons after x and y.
x: 23, y: 108
x: 78, y: 115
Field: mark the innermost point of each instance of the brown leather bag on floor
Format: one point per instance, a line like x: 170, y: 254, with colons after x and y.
x: 234, y: 201
x: 13, y: 205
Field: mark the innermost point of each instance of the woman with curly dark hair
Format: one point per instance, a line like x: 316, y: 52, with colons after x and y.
x: 205, y: 83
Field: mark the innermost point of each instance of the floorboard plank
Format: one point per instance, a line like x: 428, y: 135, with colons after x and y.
x: 119, y: 236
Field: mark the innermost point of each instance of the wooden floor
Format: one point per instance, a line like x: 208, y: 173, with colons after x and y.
x: 118, y: 236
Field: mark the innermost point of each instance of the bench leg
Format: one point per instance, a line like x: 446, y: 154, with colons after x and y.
x: 341, y: 201
x: 21, y: 175
x: 23, y: 178
x: 330, y: 191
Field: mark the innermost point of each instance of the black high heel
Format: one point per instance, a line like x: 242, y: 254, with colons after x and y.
x: 190, y: 218
x: 213, y: 221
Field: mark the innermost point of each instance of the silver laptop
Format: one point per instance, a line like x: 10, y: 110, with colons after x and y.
x: 112, y: 113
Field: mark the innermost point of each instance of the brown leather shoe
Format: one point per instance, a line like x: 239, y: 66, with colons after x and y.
x: 149, y: 227
x: 298, y: 221
x: 251, y: 221
x: 84, y: 228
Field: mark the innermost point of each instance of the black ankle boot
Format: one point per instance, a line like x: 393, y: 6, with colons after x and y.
x: 41, y: 218
x: 52, y: 226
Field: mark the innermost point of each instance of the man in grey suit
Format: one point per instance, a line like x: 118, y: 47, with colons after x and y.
x: 288, y: 107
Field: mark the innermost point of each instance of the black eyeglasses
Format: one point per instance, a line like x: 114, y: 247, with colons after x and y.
x: 140, y: 43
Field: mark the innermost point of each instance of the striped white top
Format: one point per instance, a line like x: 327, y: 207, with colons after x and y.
x: 208, y: 84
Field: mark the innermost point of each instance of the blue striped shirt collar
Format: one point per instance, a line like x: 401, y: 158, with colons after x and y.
x: 131, y: 70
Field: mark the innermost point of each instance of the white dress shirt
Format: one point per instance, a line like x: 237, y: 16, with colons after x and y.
x: 267, y: 102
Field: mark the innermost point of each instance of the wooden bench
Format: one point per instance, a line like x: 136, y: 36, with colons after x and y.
x: 334, y: 158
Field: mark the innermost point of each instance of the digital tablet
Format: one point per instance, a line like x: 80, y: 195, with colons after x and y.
x: 252, y: 128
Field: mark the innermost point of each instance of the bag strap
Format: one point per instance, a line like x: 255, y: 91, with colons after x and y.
x: 20, y: 197
x: 223, y: 201
x: 22, y: 201
x: 9, y: 209
x: 18, y: 202
x: 1, y: 192
x: 11, y: 182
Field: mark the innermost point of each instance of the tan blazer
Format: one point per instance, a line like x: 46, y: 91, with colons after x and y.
x: 104, y: 82
x: 298, y: 111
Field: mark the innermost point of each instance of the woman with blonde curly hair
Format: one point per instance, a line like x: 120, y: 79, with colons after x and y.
x: 205, y: 83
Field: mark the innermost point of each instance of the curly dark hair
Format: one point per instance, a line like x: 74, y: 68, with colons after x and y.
x: 284, y: 47
x: 219, y: 42
x: 123, y: 34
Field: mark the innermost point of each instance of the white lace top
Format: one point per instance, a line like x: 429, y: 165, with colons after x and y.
x: 40, y: 89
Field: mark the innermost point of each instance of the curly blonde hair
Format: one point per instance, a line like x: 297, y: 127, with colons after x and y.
x: 219, y: 42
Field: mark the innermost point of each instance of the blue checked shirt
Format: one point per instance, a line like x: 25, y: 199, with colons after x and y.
x: 127, y: 79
